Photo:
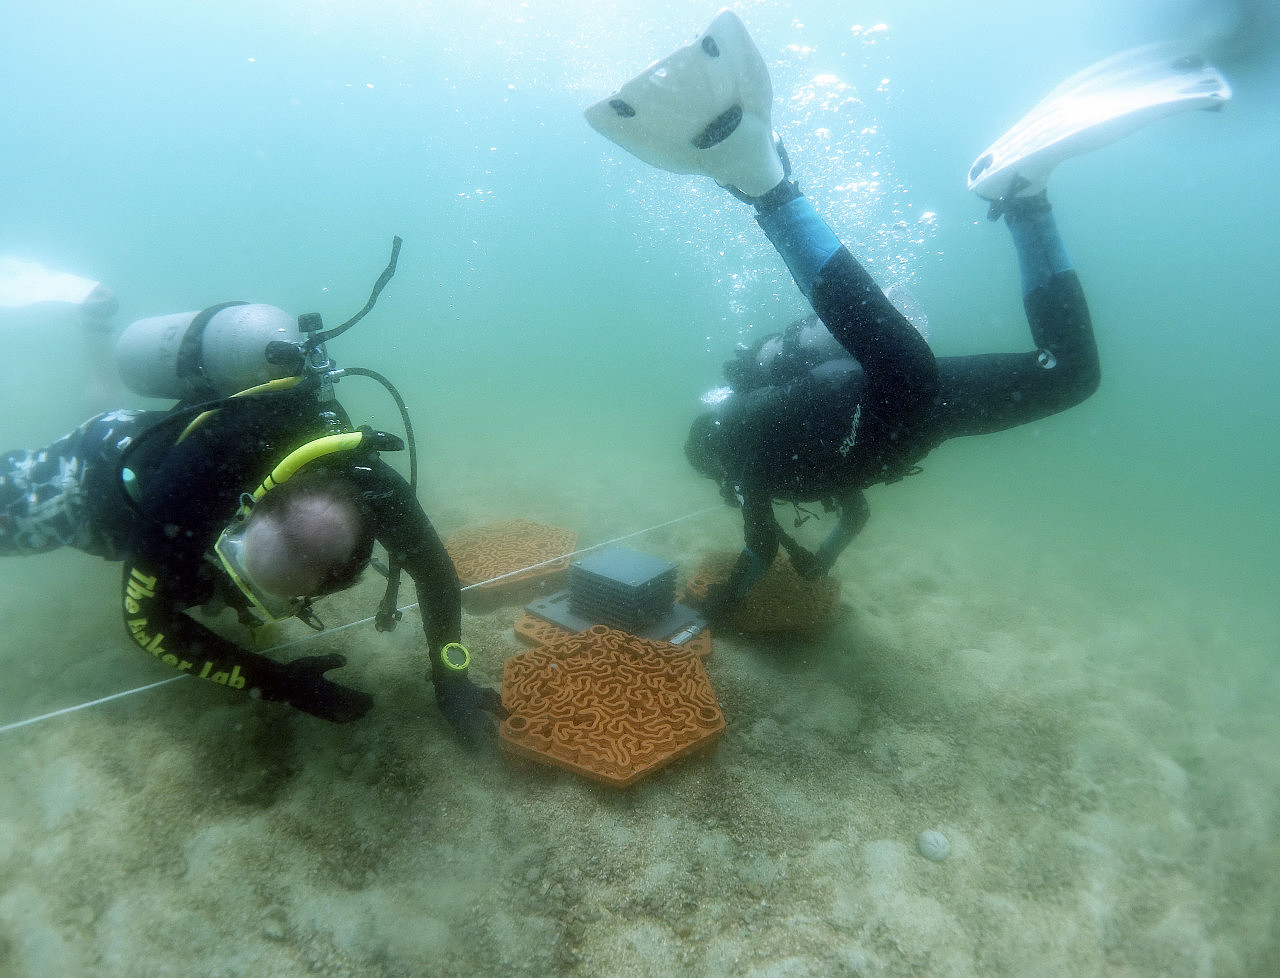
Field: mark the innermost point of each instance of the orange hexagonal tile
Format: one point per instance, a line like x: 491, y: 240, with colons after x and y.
x: 781, y: 601
x: 539, y: 631
x: 501, y: 555
x: 608, y: 705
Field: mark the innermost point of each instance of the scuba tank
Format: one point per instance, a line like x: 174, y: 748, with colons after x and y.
x: 780, y: 358
x: 215, y: 352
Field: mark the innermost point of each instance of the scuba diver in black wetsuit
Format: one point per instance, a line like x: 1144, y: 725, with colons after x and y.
x: 819, y: 415
x: 803, y: 431
x: 254, y: 491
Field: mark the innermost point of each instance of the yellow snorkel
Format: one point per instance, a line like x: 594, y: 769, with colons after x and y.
x: 229, y: 547
x: 364, y: 438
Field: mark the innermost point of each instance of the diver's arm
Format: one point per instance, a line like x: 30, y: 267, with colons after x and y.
x: 854, y: 513
x: 901, y: 374
x: 439, y: 594
x: 405, y: 530
x: 178, y: 640
x: 407, y: 533
x: 760, y: 536
x: 764, y: 536
x: 174, y: 637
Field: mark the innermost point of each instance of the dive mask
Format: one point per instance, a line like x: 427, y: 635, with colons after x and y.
x: 230, y: 548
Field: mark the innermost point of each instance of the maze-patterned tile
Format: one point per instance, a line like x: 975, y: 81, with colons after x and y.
x: 781, y: 601
x: 497, y: 550
x: 608, y: 705
x: 538, y: 631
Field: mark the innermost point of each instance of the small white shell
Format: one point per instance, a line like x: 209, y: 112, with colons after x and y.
x: 934, y: 846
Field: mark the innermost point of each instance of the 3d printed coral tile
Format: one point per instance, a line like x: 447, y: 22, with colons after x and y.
x: 538, y: 631
x: 781, y: 601
x: 608, y: 705
x: 512, y: 552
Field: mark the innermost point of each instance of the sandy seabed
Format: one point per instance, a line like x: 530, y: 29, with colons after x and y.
x: 1097, y: 746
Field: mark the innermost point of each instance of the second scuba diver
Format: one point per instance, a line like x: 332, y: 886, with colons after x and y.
x: 827, y: 409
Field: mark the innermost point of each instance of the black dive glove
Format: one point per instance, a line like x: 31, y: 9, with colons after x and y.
x: 723, y: 597
x: 302, y: 685
x: 810, y: 566
x: 463, y: 703
x: 719, y: 604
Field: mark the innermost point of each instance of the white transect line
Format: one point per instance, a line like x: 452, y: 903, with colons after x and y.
x: 84, y: 706
x: 363, y: 621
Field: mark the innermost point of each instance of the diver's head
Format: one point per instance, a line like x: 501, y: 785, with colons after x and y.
x: 310, y: 536
x: 706, y: 449
x: 702, y: 446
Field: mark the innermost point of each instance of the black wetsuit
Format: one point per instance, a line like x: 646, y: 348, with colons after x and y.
x: 806, y: 432
x: 66, y: 494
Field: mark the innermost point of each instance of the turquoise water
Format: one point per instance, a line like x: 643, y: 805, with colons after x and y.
x: 1060, y: 642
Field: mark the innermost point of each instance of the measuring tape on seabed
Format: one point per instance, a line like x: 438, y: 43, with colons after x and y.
x: 363, y: 621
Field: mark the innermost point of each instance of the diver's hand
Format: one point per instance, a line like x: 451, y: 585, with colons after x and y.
x: 719, y: 603
x: 302, y: 685
x: 810, y: 566
x: 464, y: 705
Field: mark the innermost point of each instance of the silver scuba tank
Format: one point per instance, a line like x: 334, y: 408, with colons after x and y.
x: 214, y: 352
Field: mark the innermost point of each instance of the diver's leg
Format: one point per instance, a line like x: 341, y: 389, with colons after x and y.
x: 708, y: 108
x: 992, y: 392
x: 1101, y: 104
x: 102, y: 387
x: 900, y: 372
x: 66, y: 494
x: 38, y: 498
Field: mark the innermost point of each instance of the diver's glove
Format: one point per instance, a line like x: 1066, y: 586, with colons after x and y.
x: 719, y: 604
x: 462, y: 702
x: 302, y: 685
x: 809, y: 565
x: 723, y: 597
x: 464, y: 705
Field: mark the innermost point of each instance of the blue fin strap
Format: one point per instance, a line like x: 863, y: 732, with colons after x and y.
x: 1041, y: 253
x: 802, y: 238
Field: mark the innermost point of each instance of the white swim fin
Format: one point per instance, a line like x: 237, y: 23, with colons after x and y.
x: 24, y: 282
x: 1093, y: 108
x: 705, y: 109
